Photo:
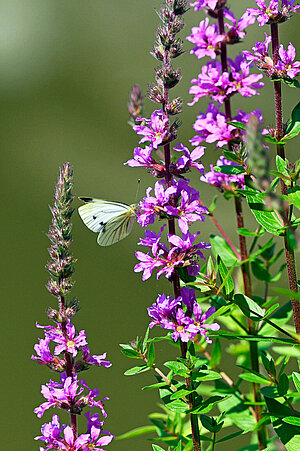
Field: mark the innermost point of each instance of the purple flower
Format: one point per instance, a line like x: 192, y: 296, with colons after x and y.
x: 200, y: 320
x: 72, y: 443
x: 156, y: 129
x: 235, y: 30
x: 204, y: 4
x: 43, y: 351
x: 213, y: 127
x: 69, y: 342
x: 274, y: 13
x: 96, y: 360
x: 223, y: 181
x: 211, y: 81
x: 51, y: 432
x: 66, y: 395
x: 182, y: 253
x: 286, y: 65
x: 187, y: 208
x: 260, y: 55
x: 244, y: 83
x: 163, y: 310
x: 169, y: 314
x: 188, y: 159
x: 152, y: 206
x: 141, y: 157
x: 206, y: 40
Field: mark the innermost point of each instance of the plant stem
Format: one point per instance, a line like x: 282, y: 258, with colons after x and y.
x: 175, y: 278
x: 289, y: 251
x: 243, y: 252
x: 68, y: 358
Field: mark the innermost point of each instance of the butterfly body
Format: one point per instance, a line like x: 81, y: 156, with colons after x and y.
x: 112, y: 220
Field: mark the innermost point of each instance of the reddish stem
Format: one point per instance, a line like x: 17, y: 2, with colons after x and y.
x: 289, y: 251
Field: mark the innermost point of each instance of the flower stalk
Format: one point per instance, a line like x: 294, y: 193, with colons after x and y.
x: 289, y: 251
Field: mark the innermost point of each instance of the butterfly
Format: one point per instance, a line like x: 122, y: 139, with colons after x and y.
x: 112, y: 220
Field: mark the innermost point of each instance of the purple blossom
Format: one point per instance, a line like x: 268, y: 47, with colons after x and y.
x: 244, y: 83
x: 71, y: 443
x: 236, y: 29
x: 204, y: 4
x: 213, y: 127
x: 96, y: 360
x: 260, y: 55
x: 141, y: 157
x: 200, y: 321
x: 182, y: 253
x: 156, y: 129
x: 182, y: 315
x: 152, y: 206
x: 51, y: 432
x: 211, y: 82
x: 223, y: 181
x: 206, y: 39
x: 43, y: 351
x: 66, y: 395
x: 187, y: 208
x: 276, y: 12
x: 69, y: 342
x: 286, y: 65
x: 189, y: 159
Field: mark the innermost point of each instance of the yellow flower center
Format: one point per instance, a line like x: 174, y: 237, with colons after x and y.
x: 180, y: 328
x: 70, y: 344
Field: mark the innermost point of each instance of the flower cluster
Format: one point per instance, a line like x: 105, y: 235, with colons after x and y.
x: 212, y: 127
x: 62, y: 437
x: 276, y: 11
x: 182, y: 315
x: 182, y: 253
x: 225, y: 182
x: 219, y: 84
x: 63, y: 349
x: 286, y: 66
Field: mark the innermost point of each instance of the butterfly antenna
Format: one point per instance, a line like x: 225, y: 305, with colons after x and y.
x: 137, y: 190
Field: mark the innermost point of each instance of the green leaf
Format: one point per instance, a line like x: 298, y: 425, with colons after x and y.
x: 131, y: 353
x: 287, y: 293
x: 292, y: 420
x: 181, y: 394
x: 137, y: 370
x: 267, y: 219
x: 294, y: 196
x: 231, y: 436
x: 292, y: 351
x: 207, y: 376
x: 246, y: 232
x: 212, y: 206
x: 136, y: 432
x: 230, y: 169
x: 296, y: 380
x: 232, y: 157
x: 151, y: 354
x: 153, y: 386
x: 238, y: 413
x: 157, y: 448
x: 177, y: 406
x: 178, y: 447
x: 178, y: 368
x: 283, y: 385
x: 259, y: 271
x: 293, y: 128
x: 269, y: 392
x: 220, y: 247
x: 227, y: 281
x: 216, y: 354
x: 236, y: 124
x: 207, y: 405
x: 288, y: 434
x: 250, y: 308
x: 253, y: 378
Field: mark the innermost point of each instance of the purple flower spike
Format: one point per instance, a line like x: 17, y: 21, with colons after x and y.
x: 235, y: 31
x: 206, y: 39
x: 244, y: 83
x: 152, y: 206
x: 156, y: 129
x: 200, y: 320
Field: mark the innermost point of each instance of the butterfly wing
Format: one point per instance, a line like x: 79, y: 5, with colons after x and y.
x: 117, y: 229
x: 113, y: 220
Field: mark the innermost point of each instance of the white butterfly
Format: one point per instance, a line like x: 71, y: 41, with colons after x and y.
x: 112, y: 220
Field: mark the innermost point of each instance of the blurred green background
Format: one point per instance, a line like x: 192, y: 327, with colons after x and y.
x: 66, y: 72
